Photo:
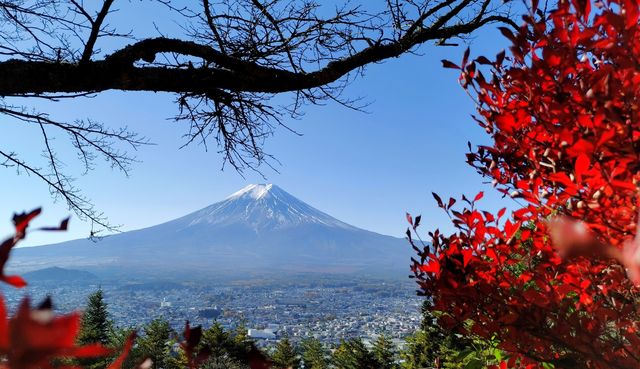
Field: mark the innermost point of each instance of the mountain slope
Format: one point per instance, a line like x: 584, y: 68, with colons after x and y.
x: 260, y: 228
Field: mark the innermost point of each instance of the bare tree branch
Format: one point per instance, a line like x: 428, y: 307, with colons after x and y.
x: 227, y: 64
x: 96, y: 25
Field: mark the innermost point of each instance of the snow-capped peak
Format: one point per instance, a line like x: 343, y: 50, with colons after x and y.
x: 262, y: 206
x: 254, y: 191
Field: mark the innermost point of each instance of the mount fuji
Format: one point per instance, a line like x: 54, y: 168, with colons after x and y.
x: 259, y: 229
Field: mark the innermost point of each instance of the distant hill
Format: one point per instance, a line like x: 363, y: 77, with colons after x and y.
x: 56, y: 274
x: 258, y: 230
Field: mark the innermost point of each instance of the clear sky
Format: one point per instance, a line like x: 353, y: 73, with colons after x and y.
x: 364, y: 169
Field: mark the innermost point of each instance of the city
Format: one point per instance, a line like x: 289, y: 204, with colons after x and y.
x: 328, y: 309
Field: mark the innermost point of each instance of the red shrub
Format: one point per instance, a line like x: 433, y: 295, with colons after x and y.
x: 563, y: 111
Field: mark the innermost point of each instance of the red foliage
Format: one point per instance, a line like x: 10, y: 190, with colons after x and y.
x: 563, y: 112
x: 21, y: 223
x: 32, y: 338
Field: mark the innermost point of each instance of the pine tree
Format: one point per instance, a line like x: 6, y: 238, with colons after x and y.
x: 432, y: 342
x: 95, y: 327
x: 419, y: 352
x: 451, y: 350
x: 223, y: 362
x: 217, y: 340
x: 156, y: 343
x: 117, y: 339
x: 385, y: 352
x: 240, y: 344
x: 353, y: 354
x: 285, y: 356
x: 314, y: 356
x: 228, y: 349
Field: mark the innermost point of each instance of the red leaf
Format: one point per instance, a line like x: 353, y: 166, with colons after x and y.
x: 506, y: 32
x: 438, y: 199
x: 21, y: 221
x: 4, y: 328
x: 483, y: 60
x: 478, y: 196
x: 448, y: 64
x: 500, y: 58
x: 582, y: 165
x: 465, y: 57
x: 433, y: 266
x: 623, y: 185
x: 630, y: 13
x: 5, y: 250
x: 14, y: 280
x: 467, y: 254
x: 64, y: 225
x: 409, y: 218
x: 605, y: 137
x: 37, y: 336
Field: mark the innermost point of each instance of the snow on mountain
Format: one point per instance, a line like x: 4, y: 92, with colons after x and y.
x: 264, y: 207
x: 260, y: 228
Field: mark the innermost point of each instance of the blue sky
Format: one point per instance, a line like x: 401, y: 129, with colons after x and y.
x: 364, y: 169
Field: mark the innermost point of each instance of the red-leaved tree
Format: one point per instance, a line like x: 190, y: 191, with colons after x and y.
x: 563, y: 111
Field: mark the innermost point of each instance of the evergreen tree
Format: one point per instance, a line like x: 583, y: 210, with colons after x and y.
x: 156, y: 343
x: 284, y: 355
x: 117, y: 340
x: 353, y: 354
x: 217, y: 340
x: 432, y: 343
x: 419, y: 352
x: 95, y: 327
x: 228, y: 349
x: 223, y: 362
x: 385, y: 353
x: 240, y: 344
x: 314, y: 356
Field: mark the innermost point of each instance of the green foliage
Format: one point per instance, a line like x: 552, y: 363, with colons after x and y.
x: 117, y: 339
x: 353, y: 354
x: 217, y: 340
x: 433, y: 345
x: 226, y: 348
x: 314, y: 355
x: 385, y: 353
x: 95, y: 327
x: 420, y: 351
x: 285, y: 356
x: 156, y: 343
x: 241, y: 343
x: 223, y: 363
x: 95, y: 324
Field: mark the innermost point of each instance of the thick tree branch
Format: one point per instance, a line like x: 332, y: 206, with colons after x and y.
x: 225, y: 66
x: 118, y: 71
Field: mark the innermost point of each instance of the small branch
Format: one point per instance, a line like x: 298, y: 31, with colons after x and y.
x: 96, y: 25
